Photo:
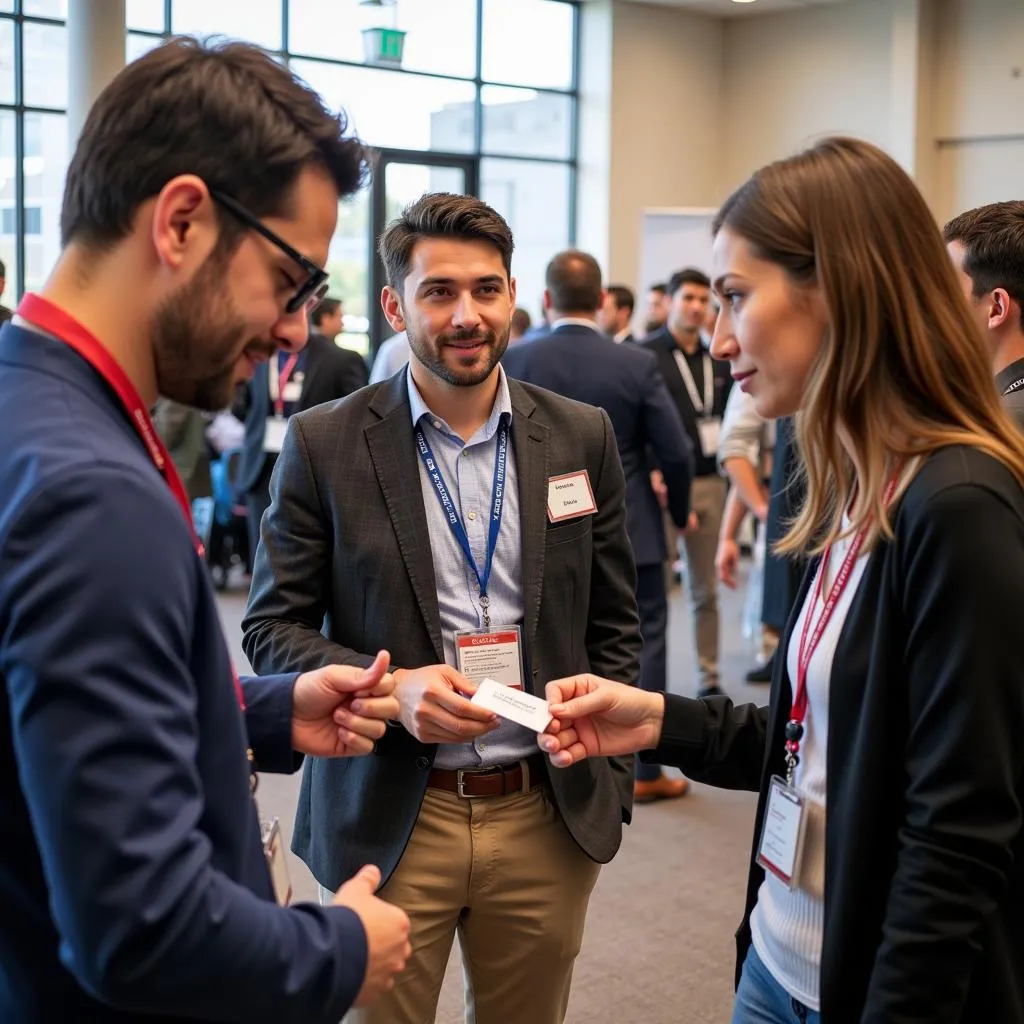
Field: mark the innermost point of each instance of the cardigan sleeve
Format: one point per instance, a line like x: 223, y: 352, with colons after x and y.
x: 961, y: 591
x: 713, y: 741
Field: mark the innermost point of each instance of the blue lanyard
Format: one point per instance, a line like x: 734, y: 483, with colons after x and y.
x: 452, y: 514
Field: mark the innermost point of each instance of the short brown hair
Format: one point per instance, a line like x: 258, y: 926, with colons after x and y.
x: 327, y: 307
x: 227, y: 112
x: 622, y: 296
x: 441, y: 215
x: 520, y: 320
x: 573, y: 280
x: 688, y: 275
x: 993, y: 241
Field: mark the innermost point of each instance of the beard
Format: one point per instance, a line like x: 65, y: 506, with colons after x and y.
x: 198, y: 338
x: 432, y: 354
x: 653, y: 326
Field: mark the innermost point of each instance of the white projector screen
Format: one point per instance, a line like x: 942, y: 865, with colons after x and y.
x: 673, y: 238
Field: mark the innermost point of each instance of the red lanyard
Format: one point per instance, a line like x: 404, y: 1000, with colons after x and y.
x: 809, y: 644
x: 55, y: 321
x: 282, y: 382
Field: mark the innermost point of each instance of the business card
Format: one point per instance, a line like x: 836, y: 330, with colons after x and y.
x: 516, y: 705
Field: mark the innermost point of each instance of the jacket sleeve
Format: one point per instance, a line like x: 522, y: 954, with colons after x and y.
x: 961, y: 588
x: 288, y: 595
x: 613, y: 628
x: 98, y: 617
x: 669, y: 442
x: 713, y: 741
x: 268, y: 722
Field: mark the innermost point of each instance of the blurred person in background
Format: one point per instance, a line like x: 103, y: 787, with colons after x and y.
x: 616, y: 312
x: 285, y: 384
x: 519, y: 326
x: 657, y: 309
x: 5, y: 312
x: 578, y: 361
x: 699, y: 386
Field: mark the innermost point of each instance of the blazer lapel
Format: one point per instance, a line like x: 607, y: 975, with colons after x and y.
x: 530, y: 441
x: 394, y: 460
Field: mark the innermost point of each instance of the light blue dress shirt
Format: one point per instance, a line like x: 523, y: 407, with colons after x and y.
x: 468, y: 470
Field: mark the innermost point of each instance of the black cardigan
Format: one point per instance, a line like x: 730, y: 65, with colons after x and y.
x: 924, y: 862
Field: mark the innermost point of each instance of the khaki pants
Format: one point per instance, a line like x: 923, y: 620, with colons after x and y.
x: 707, y: 499
x: 505, y: 873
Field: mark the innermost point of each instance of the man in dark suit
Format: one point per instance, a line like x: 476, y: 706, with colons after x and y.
x: 578, y: 361
x: 616, y: 313
x: 478, y: 526
x: 699, y: 386
x: 134, y: 886
x: 289, y: 383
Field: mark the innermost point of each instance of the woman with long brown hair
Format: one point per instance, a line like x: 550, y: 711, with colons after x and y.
x: 887, y: 871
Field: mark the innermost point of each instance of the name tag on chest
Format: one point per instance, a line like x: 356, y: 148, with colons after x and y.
x: 273, y: 434
x: 570, y: 496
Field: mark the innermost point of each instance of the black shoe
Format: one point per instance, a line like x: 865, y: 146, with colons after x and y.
x: 762, y: 673
x: 710, y: 691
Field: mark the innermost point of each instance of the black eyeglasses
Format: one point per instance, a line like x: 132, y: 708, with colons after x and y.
x: 314, y: 288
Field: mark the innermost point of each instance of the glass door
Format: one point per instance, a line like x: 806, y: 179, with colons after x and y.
x: 400, y: 178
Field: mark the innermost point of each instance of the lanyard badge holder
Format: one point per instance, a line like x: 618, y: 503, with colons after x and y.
x: 785, y: 818
x: 708, y: 426
x: 489, y: 652
x: 60, y: 325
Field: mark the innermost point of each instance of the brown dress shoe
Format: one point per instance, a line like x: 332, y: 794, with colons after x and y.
x: 659, y: 789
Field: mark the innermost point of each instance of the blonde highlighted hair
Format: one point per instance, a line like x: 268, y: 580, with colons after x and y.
x: 903, y: 368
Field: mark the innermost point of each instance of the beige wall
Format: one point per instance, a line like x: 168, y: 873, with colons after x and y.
x: 793, y: 76
x: 666, y: 95
x: 979, y: 103
x: 683, y: 107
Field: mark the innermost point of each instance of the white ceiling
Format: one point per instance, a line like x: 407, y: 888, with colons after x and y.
x: 727, y: 9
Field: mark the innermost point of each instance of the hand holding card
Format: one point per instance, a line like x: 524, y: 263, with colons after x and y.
x: 513, y: 704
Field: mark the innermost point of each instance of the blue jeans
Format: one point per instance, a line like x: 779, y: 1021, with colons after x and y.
x: 760, y: 999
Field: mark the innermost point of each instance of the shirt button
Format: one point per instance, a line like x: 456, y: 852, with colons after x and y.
x: 437, y: 424
x: 472, y: 515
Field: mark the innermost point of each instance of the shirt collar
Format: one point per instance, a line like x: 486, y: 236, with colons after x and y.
x: 502, y: 408
x: 622, y: 335
x: 574, y: 321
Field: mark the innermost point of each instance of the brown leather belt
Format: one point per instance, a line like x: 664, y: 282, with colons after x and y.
x: 501, y: 780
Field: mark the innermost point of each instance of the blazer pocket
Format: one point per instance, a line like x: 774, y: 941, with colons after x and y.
x: 562, y: 533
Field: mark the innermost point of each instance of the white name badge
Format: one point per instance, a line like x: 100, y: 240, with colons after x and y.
x: 491, y: 654
x: 273, y: 434
x: 517, y: 706
x: 277, y: 863
x: 292, y: 391
x: 569, y: 496
x: 708, y: 430
x: 783, y: 832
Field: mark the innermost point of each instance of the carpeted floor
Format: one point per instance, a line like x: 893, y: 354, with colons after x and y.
x: 659, y: 941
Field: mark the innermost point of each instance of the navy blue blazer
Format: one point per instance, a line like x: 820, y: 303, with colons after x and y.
x: 132, y: 880
x: 583, y: 364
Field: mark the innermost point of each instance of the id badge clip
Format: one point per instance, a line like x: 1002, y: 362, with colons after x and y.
x: 782, y: 834
x: 495, y: 653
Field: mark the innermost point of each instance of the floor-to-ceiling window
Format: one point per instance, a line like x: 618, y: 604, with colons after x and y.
x: 490, y: 80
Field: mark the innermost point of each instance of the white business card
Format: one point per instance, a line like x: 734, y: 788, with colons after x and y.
x: 515, y: 705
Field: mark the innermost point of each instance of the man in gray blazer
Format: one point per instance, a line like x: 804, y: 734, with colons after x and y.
x: 444, y: 512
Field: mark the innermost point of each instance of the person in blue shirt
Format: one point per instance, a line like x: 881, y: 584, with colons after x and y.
x: 197, y: 215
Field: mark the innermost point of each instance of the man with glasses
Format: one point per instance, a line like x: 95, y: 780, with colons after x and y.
x: 136, y: 882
